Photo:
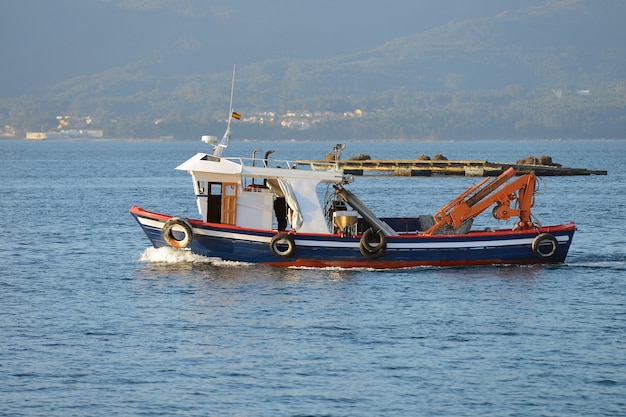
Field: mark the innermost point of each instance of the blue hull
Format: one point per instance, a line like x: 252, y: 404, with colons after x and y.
x: 406, y: 250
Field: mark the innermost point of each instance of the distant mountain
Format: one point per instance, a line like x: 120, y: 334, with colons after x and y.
x: 412, y: 69
x: 46, y: 42
x: 563, y: 44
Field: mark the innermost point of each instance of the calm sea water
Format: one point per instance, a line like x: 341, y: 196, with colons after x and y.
x: 95, y: 323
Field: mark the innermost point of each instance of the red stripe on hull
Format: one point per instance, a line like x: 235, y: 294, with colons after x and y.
x: 381, y: 264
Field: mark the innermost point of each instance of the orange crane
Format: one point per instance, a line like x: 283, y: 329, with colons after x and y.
x: 478, y: 198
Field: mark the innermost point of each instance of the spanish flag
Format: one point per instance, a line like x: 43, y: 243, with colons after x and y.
x: 236, y: 115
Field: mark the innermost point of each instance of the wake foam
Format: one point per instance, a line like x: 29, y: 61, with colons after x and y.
x: 169, y: 255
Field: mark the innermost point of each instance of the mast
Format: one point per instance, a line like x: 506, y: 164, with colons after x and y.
x: 223, y: 144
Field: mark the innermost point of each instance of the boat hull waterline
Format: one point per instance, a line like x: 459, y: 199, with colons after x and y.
x: 232, y: 243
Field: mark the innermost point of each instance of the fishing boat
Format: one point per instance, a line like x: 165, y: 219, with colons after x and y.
x: 269, y: 211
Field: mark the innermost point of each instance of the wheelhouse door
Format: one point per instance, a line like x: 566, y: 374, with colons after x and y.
x: 214, y: 201
x: 229, y: 203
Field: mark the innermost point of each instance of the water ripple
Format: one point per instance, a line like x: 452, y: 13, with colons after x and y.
x: 95, y: 323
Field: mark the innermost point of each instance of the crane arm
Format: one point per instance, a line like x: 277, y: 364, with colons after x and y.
x: 478, y: 198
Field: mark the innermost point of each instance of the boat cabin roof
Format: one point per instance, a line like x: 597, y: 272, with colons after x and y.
x: 203, y: 163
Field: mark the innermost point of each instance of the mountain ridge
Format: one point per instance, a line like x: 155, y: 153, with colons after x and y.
x: 497, y: 63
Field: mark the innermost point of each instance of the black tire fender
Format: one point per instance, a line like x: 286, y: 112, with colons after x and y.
x: 545, y: 246
x: 373, y: 251
x: 282, y: 245
x: 168, y: 232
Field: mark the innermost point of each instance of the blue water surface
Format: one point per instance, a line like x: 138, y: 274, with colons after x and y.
x: 94, y: 322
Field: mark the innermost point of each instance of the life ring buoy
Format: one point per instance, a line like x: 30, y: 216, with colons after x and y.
x: 376, y: 250
x: 545, y: 246
x: 181, y: 226
x: 282, y: 245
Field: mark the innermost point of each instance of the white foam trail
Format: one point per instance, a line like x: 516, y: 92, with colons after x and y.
x: 171, y: 255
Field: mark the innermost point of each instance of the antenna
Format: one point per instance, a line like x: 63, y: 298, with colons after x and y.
x: 223, y: 144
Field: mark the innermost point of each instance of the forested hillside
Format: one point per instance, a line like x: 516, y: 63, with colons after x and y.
x: 549, y: 69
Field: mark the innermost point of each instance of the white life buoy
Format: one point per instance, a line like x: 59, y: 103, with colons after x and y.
x: 545, y: 245
x: 282, y: 245
x: 180, y: 226
x: 370, y: 250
